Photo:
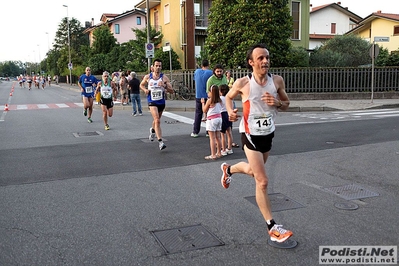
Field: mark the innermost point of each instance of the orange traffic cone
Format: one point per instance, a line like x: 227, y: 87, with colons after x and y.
x: 10, y: 93
x: 6, y: 107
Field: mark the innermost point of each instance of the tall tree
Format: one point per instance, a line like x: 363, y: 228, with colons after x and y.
x: 11, y: 68
x: 103, y: 41
x: 342, y: 51
x: 237, y: 24
x: 77, y: 41
x: 134, y: 50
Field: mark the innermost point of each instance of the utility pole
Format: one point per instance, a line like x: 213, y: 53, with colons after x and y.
x: 40, y: 65
x: 148, y: 31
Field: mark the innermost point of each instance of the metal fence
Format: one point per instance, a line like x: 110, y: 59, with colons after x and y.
x: 310, y: 80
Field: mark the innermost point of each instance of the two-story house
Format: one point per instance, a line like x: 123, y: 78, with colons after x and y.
x: 329, y: 20
x: 184, y: 23
x: 380, y: 24
x: 120, y: 25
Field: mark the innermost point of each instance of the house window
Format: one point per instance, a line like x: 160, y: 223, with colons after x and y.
x: 333, y: 28
x: 197, y: 9
x: 117, y: 29
x: 295, y: 12
x: 395, y: 30
x: 138, y: 20
x: 166, y: 18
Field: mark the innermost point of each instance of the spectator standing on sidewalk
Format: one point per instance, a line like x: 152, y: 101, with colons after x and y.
x: 226, y: 130
x: 229, y: 78
x: 157, y: 83
x: 213, y: 108
x: 134, y: 88
x: 262, y: 95
x: 218, y: 78
x: 115, y: 80
x: 230, y: 82
x: 129, y: 77
x: 201, y: 76
x: 123, y: 88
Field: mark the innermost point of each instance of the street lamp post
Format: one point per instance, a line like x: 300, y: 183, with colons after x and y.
x: 40, y: 67
x: 48, y: 41
x: 34, y: 59
x: 69, y: 49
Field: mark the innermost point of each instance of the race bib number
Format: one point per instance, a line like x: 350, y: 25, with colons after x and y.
x: 261, y: 124
x: 106, y: 92
x: 156, y: 94
x: 89, y: 89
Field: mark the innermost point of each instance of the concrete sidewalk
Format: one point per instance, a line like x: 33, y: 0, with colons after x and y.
x: 295, y: 106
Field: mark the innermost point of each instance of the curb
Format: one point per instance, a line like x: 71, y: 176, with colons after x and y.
x: 118, y: 106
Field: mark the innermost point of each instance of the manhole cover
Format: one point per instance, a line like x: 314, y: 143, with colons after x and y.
x: 351, y: 192
x: 287, y: 244
x: 279, y: 202
x: 350, y: 206
x: 87, y: 134
x: 186, y: 239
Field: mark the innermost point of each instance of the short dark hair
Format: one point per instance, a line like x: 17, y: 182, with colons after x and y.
x: 250, y: 51
x: 157, y: 60
x: 224, y: 89
x: 205, y: 63
x: 218, y: 66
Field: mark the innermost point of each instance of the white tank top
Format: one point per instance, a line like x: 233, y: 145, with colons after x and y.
x: 223, y: 98
x: 214, y: 111
x: 258, y: 117
x: 106, y: 91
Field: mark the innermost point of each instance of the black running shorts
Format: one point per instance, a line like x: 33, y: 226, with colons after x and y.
x: 262, y: 144
x: 107, y: 102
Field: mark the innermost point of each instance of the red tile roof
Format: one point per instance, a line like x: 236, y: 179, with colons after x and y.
x: 387, y: 15
x: 321, y: 36
x: 320, y: 7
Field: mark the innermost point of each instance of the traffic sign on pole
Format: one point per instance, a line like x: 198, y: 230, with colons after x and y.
x: 149, y: 50
x: 374, y: 50
x: 381, y: 39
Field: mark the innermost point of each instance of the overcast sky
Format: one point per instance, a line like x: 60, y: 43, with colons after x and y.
x: 26, y: 22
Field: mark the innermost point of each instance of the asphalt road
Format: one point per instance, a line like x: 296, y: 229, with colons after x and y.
x: 100, y: 200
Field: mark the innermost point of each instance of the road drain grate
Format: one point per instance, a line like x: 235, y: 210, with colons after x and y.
x: 351, y: 192
x: 87, y: 134
x: 279, y: 202
x: 186, y: 239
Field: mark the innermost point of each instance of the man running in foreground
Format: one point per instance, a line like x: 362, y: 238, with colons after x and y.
x: 262, y: 95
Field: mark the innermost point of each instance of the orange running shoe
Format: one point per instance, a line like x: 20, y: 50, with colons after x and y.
x: 226, y: 178
x: 279, y: 234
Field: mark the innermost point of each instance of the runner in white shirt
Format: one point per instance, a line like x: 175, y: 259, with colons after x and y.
x: 262, y: 94
x: 107, y: 104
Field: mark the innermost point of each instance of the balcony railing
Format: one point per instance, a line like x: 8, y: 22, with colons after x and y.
x: 201, y: 21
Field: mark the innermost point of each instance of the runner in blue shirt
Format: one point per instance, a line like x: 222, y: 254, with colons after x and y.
x: 155, y: 85
x: 87, y: 84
